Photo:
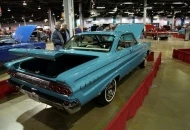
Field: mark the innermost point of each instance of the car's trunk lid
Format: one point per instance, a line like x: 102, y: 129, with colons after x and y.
x: 50, y: 63
x: 38, y: 53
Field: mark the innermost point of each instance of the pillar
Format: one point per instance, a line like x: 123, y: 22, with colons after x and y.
x: 50, y: 19
x: 69, y: 15
x: 120, y: 18
x: 80, y: 15
x: 173, y: 21
x: 114, y: 19
x: 182, y: 21
x: 133, y: 19
x: 145, y: 11
x: 151, y: 19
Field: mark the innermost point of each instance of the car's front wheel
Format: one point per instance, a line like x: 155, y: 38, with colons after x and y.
x: 143, y: 63
x: 108, y: 94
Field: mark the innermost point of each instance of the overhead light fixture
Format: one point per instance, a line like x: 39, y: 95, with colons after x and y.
x: 24, y: 3
x: 111, y: 12
x: 8, y: 9
x: 100, y: 7
x: 129, y: 12
x: 160, y: 3
x: 39, y: 7
x: 115, y: 9
x: 149, y: 7
x: 177, y: 3
x: 30, y: 21
x: 128, y: 3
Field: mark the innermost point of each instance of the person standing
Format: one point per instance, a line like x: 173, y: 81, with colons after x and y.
x: 65, y: 33
x: 78, y: 29
x: 187, y: 32
x: 57, y: 38
x: 100, y: 28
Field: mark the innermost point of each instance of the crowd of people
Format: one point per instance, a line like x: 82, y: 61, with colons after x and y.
x: 5, y: 32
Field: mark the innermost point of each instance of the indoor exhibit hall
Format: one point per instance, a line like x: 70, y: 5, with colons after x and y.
x: 94, y: 65
x: 164, y: 106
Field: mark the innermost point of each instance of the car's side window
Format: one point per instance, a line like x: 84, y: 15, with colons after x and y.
x: 126, y: 41
x: 131, y: 39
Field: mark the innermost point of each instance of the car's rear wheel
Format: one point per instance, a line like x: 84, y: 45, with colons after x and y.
x: 108, y: 94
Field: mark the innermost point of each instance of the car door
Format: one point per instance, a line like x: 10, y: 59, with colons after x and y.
x: 137, y: 51
x: 123, y: 56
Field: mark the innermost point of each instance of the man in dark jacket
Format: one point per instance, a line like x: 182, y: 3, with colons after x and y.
x: 57, y: 38
x: 65, y: 33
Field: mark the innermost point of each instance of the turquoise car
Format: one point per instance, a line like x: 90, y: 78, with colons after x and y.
x: 88, y: 67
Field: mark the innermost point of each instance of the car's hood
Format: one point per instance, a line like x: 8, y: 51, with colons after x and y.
x: 136, y: 29
x: 23, y: 33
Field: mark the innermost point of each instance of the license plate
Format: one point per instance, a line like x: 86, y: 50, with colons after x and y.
x: 31, y: 95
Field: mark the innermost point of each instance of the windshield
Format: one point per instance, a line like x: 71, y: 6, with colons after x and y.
x: 91, y: 42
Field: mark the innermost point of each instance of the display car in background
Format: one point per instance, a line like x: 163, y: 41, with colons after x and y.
x: 88, y: 67
x: 21, y: 38
x: 156, y: 33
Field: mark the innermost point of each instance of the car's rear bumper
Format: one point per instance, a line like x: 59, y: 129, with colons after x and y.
x: 70, y: 106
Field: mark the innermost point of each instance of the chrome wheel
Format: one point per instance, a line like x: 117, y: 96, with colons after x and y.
x: 108, y: 94
x: 110, y: 91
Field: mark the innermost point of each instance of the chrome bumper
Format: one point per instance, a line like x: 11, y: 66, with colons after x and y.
x: 70, y: 106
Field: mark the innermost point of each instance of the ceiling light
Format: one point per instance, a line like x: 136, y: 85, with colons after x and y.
x: 111, y: 12
x: 24, y: 3
x: 30, y: 21
x: 148, y: 7
x: 129, y: 12
x: 177, y: 3
x: 8, y: 9
x: 39, y: 7
x: 100, y: 7
x: 128, y: 3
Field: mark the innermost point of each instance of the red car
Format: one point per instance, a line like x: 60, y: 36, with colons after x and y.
x: 156, y: 33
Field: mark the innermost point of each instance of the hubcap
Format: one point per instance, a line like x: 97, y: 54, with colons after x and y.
x: 110, y: 91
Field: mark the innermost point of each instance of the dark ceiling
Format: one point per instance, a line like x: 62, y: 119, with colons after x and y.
x: 167, y: 8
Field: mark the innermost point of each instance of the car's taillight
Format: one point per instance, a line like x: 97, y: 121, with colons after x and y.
x: 60, y: 88
x: 11, y: 72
